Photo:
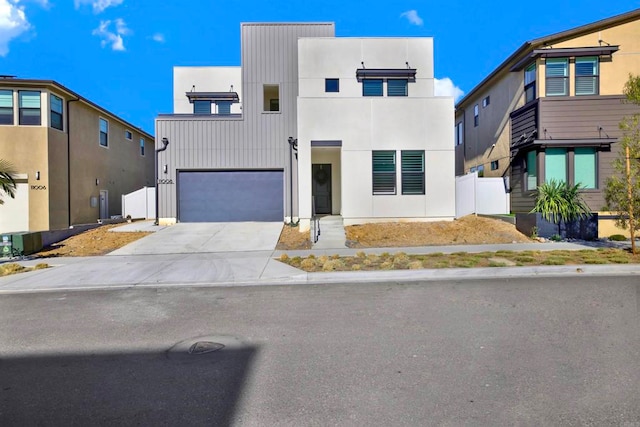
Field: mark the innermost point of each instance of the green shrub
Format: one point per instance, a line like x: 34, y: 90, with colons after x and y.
x: 617, y: 238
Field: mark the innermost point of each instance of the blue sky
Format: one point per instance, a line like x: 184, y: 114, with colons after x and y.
x: 120, y: 53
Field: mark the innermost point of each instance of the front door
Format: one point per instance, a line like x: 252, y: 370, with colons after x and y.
x: 104, y: 204
x: 321, y: 189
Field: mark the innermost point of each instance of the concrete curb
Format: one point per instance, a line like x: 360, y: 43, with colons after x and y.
x: 373, y: 277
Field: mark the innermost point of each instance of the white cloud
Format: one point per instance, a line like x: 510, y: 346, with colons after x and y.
x: 114, y: 39
x: 413, y: 17
x: 158, y: 37
x: 98, y: 5
x: 445, y: 87
x: 13, y: 22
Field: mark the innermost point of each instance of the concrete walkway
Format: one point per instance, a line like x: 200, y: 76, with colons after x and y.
x: 332, y: 235
x: 165, y: 259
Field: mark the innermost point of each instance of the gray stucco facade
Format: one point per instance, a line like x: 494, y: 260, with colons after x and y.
x: 253, y: 140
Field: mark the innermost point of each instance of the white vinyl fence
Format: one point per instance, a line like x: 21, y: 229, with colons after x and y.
x: 140, y: 204
x: 481, y: 196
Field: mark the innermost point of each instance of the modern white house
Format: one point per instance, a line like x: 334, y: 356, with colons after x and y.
x: 309, y: 124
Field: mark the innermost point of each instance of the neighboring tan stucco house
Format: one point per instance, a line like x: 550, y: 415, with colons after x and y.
x: 551, y: 111
x: 349, y: 126
x: 74, y: 159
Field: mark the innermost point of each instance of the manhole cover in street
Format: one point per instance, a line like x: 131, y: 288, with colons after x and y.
x: 202, y: 347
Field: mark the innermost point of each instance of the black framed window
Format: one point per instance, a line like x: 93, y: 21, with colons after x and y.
x: 142, y: 146
x: 104, y: 133
x: 486, y: 101
x: 372, y: 87
x: 56, y: 112
x: 413, y: 172
x: 332, y: 85
x: 6, y: 107
x: 530, y: 83
x: 384, y: 172
x: 398, y: 87
x: 557, y: 76
x: 476, y: 115
x: 459, y: 133
x: 128, y: 135
x: 495, y: 165
x: 29, y: 106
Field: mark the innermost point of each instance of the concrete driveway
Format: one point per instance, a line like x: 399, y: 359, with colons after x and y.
x: 190, y: 238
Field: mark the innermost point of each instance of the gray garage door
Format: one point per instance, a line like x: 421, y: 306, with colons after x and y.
x: 230, y: 196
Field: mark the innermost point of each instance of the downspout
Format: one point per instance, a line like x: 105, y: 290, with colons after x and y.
x: 293, y: 146
x: 69, y: 101
x: 165, y: 143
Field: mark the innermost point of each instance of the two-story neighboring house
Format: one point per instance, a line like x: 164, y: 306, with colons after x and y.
x: 74, y: 159
x: 373, y: 142
x: 551, y: 111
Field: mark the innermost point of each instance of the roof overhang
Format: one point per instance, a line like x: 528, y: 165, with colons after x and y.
x: 546, y: 143
x: 213, y: 96
x: 386, y: 73
x: 565, y: 52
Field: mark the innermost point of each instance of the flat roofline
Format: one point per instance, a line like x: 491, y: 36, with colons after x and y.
x: 265, y: 24
x: 54, y: 84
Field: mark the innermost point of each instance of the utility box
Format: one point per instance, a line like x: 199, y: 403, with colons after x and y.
x: 26, y: 243
x: 5, y: 245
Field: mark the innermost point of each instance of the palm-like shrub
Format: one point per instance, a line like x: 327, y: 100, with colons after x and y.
x: 7, y: 180
x: 560, y: 202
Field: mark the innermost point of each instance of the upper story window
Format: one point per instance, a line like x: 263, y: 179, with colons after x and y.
x: 6, y: 107
x: 56, y: 112
x: 587, y: 76
x: 459, y: 133
x: 530, y: 83
x: 476, y: 115
x: 384, y: 172
x: 372, y: 87
x: 486, y: 101
x: 397, y: 87
x: 557, y: 76
x: 495, y: 165
x: 128, y: 135
x: 271, y: 97
x: 224, y: 107
x: 332, y: 85
x: 201, y: 107
x: 142, y: 146
x: 104, y: 132
x: 29, y: 106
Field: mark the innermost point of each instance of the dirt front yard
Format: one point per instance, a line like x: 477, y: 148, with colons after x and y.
x: 98, y: 241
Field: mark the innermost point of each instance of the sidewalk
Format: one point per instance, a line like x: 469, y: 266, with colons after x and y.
x: 251, y: 268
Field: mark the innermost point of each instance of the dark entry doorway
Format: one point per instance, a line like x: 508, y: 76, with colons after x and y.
x: 321, y: 189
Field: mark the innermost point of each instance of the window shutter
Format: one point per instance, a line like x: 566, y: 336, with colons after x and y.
x: 372, y: 87
x: 397, y: 87
x: 555, y: 165
x: 224, y: 107
x: 556, y: 72
x: 201, y: 107
x: 384, y: 172
x: 413, y: 172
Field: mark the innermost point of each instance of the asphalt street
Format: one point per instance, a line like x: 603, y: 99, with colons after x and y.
x: 528, y: 351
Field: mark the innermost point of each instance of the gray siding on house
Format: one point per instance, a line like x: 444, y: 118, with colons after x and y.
x: 256, y: 140
x: 523, y: 122
x: 571, y: 118
x: 580, y: 117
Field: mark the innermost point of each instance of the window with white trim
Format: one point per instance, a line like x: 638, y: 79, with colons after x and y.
x: 104, y: 132
x: 587, y: 78
x: 459, y: 133
x: 29, y: 107
x: 6, y: 107
x: 56, y: 112
x: 557, y: 76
